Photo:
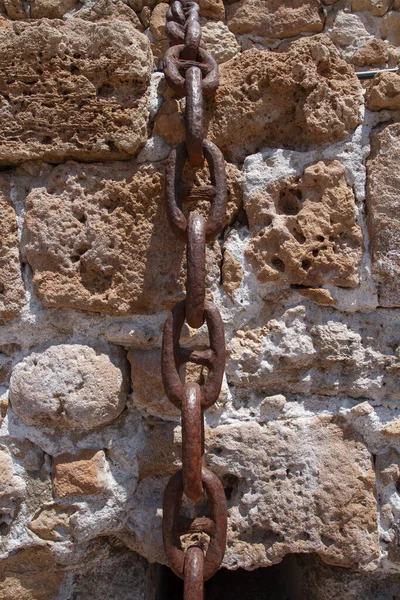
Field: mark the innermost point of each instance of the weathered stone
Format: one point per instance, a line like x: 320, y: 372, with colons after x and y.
x: 98, y: 239
x: 103, y: 11
x: 145, y: 15
x: 170, y: 123
x: 221, y: 42
x: 232, y: 273
x: 79, y: 474
x: 300, y: 98
x: 305, y: 231
x: 15, y: 9
x: 52, y: 522
x: 51, y: 9
x: 30, y: 574
x: 86, y: 95
x: 28, y: 453
x: 349, y: 33
x: 374, y: 52
x: 377, y: 7
x: 383, y: 213
x: 12, y: 490
x: 275, y: 19
x: 318, y: 295
x: 392, y: 429
x: 312, y: 352
x: 70, y: 386
x: 390, y: 27
x: 212, y: 9
x: 12, y: 291
x: 158, y: 20
x: 384, y: 92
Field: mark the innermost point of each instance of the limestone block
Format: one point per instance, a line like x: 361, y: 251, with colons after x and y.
x: 158, y: 20
x: 73, y: 89
x: 108, y: 10
x: 51, y: 9
x: 30, y: 574
x: 377, y: 7
x: 70, y: 386
x: 349, y: 32
x: 12, y: 291
x: 275, y: 19
x: 212, y: 9
x: 383, y: 92
x: 98, y: 238
x: 79, y: 474
x: 383, y: 213
x: 390, y: 27
x: 300, y: 98
x: 231, y: 272
x: 52, y: 522
x: 305, y: 232
x: 221, y: 42
x: 373, y: 52
x: 12, y: 490
x: 15, y: 9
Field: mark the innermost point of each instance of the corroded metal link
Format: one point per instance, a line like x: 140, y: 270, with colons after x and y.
x: 192, y: 441
x: 193, y: 574
x: 192, y: 31
x: 174, y: 62
x: 196, y: 271
x: 194, y: 117
x: 176, y: 13
x: 174, y: 356
x: 171, y: 508
x: 173, y: 183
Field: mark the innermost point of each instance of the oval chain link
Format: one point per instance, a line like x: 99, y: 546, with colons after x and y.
x: 192, y: 72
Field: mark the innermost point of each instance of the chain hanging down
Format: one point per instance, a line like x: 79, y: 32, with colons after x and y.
x: 192, y: 72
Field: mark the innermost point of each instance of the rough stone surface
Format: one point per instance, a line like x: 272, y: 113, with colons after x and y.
x: 12, y: 490
x: 221, y: 42
x: 51, y: 9
x: 158, y: 21
x: 305, y: 231
x: 65, y: 96
x: 104, y: 11
x: 384, y: 92
x: 212, y: 9
x: 297, y: 99
x: 52, y: 523
x: 79, y: 474
x: 390, y: 27
x: 231, y: 272
x: 72, y: 386
x: 113, y: 250
x: 12, y: 291
x: 274, y: 19
x: 374, y: 52
x: 376, y: 7
x: 383, y: 213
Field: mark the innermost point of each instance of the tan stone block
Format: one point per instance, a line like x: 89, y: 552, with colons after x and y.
x: 392, y: 429
x: 30, y: 574
x: 158, y: 20
x: 383, y: 205
x: 15, y: 9
x: 373, y: 52
x: 383, y: 92
x: 212, y: 9
x: 52, y: 522
x: 170, y: 123
x: 80, y: 474
x: 305, y: 231
x: 377, y: 7
x: 104, y: 11
x: 275, y: 19
x: 300, y: 98
x: 98, y: 238
x: 232, y: 272
x: 51, y: 9
x: 73, y: 89
x: 12, y: 291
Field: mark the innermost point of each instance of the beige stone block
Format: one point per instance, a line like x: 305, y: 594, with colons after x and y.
x: 79, y: 474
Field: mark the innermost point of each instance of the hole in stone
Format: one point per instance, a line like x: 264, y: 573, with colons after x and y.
x: 305, y: 264
x: 298, y: 236
x: 75, y: 70
x: 320, y: 238
x: 288, y: 203
x: 46, y: 140
x: 105, y: 91
x: 230, y: 483
x: 398, y: 486
x: 278, y: 264
x: 2, y: 289
x: 77, y: 55
x: 315, y: 252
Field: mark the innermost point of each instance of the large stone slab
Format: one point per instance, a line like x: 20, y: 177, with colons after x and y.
x: 275, y: 19
x: 11, y: 286
x: 73, y: 89
x: 299, y: 99
x: 383, y: 205
x: 98, y: 238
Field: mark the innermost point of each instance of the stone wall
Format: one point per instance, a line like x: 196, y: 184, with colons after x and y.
x: 306, y: 434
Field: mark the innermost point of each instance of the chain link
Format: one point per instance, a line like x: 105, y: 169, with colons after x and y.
x: 192, y: 72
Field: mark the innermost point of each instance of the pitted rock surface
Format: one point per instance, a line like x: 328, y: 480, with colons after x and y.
x: 73, y: 89
x: 12, y: 490
x: 384, y: 92
x: 70, y: 386
x: 383, y: 213
x: 299, y: 99
x: 305, y: 232
x: 12, y: 291
x: 98, y: 238
x: 275, y: 19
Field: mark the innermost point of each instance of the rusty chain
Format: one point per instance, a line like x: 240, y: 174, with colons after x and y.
x: 192, y: 72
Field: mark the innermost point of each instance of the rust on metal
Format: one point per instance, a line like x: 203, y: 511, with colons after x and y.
x: 193, y: 574
x: 192, y: 72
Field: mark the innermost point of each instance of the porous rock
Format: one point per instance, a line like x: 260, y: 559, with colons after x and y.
x: 98, y: 238
x: 51, y: 9
x: 158, y: 21
x: 79, y: 474
x: 232, y: 273
x: 70, y: 386
x: 73, y: 89
x: 377, y: 7
x: 30, y: 574
x: 221, y: 42
x: 212, y: 9
x: 52, y: 522
x: 12, y: 291
x: 305, y: 231
x: 12, y: 490
x: 384, y: 92
x: 390, y: 27
x: 103, y: 11
x: 275, y: 19
x: 373, y: 52
x: 383, y: 212
x: 299, y: 99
